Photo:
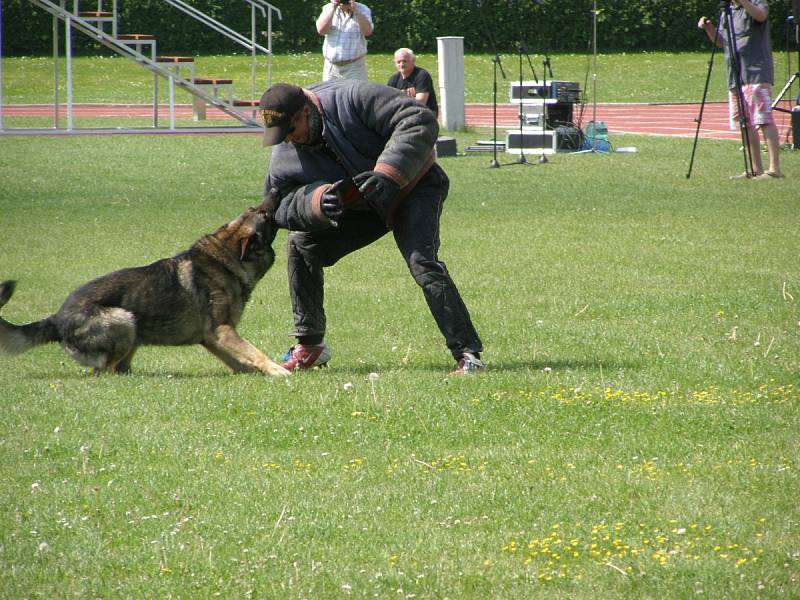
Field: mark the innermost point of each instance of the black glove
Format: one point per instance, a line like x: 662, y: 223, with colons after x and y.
x: 331, y: 204
x: 378, y: 190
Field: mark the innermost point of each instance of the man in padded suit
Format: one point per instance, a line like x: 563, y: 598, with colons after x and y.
x: 351, y: 161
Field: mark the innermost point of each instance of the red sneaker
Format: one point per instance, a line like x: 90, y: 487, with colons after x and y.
x: 301, y: 356
x: 469, y: 364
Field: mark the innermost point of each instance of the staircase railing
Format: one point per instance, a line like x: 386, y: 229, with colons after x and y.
x: 74, y: 22
x: 250, y: 44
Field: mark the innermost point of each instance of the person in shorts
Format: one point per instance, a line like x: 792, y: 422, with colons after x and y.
x: 752, y: 43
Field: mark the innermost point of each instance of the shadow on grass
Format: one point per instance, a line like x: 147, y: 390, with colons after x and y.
x: 544, y: 367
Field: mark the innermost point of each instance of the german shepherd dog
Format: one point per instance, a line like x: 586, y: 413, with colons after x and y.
x: 195, y: 297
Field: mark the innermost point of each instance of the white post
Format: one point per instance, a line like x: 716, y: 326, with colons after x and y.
x: 1, y: 65
x: 451, y: 81
x: 68, y: 52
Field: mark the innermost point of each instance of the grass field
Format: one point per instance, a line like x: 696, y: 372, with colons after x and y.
x: 646, y: 77
x: 634, y: 436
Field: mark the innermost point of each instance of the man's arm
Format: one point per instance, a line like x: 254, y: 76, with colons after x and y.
x: 758, y: 12
x: 423, y: 86
x: 410, y: 128
x: 325, y: 18
x: 363, y: 17
x: 711, y: 31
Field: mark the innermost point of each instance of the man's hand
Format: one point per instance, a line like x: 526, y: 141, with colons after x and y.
x: 375, y: 187
x: 331, y: 205
x: 378, y: 190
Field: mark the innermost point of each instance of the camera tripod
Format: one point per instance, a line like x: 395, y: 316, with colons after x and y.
x: 790, y: 82
x: 726, y: 26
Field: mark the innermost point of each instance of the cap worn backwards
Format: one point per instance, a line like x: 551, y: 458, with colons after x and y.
x: 278, y: 106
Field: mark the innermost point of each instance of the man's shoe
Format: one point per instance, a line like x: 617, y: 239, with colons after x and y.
x: 301, y: 356
x: 469, y: 364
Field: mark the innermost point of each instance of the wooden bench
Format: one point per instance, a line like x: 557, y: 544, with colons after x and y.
x: 217, y: 89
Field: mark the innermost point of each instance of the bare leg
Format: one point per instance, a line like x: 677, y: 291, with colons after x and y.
x: 773, y: 147
x: 755, y: 150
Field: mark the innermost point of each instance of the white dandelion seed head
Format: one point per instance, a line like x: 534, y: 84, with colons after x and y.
x: 372, y: 377
x: 347, y: 386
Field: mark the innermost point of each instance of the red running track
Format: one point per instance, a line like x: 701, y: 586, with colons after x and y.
x: 649, y: 119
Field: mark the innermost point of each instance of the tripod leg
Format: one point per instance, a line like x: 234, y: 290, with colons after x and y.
x: 785, y: 89
x: 735, y: 62
x: 699, y: 118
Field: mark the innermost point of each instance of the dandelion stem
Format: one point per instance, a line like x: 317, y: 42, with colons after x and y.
x: 423, y: 463
x: 769, y: 346
x: 278, y: 522
x: 616, y: 568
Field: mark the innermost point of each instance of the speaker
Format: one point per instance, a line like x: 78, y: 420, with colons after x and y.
x: 568, y: 138
x: 532, y: 141
x: 446, y: 146
x: 533, y: 92
x: 558, y: 114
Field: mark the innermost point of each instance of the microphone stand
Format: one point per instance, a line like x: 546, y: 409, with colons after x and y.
x: 494, y: 164
x: 593, y: 148
x: 545, y: 95
x: 521, y: 160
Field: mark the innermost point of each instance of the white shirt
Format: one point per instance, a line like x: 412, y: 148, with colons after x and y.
x: 345, y: 41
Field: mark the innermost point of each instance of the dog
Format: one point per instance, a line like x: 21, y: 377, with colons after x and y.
x: 195, y: 297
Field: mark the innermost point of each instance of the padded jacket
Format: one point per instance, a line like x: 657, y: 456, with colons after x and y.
x: 366, y: 127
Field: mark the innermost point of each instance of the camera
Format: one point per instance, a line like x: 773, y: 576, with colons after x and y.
x: 344, y: 1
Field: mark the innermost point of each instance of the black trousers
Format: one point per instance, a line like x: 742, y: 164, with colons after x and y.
x: 416, y: 233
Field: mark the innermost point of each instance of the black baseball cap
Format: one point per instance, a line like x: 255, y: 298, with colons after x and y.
x: 278, y: 105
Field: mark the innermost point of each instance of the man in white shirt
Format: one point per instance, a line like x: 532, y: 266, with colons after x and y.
x: 345, y: 24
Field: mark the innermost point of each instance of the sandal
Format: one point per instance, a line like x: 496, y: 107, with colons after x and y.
x: 770, y: 175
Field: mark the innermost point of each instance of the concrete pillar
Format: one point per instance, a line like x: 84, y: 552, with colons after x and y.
x: 451, y: 81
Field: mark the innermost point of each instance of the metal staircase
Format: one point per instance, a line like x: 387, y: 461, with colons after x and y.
x: 141, y: 48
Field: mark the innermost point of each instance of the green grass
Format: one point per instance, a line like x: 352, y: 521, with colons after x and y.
x: 645, y: 77
x: 635, y: 434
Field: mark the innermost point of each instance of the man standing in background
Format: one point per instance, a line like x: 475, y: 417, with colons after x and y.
x: 346, y: 25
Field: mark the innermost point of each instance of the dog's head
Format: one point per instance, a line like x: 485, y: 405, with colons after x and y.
x: 249, y: 238
x: 256, y: 235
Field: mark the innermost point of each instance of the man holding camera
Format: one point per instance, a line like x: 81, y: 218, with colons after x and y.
x: 352, y: 161
x: 346, y: 25
x: 750, y: 29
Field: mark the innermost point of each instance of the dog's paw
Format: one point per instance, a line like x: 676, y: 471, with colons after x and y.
x: 279, y: 371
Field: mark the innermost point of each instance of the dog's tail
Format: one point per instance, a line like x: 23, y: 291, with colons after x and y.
x: 16, y: 339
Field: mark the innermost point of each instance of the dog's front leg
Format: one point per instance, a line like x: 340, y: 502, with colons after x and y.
x: 239, y: 354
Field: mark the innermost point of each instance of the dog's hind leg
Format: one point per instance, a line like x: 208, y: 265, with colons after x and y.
x: 239, y: 354
x: 103, y: 339
x: 120, y: 367
x: 124, y: 366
